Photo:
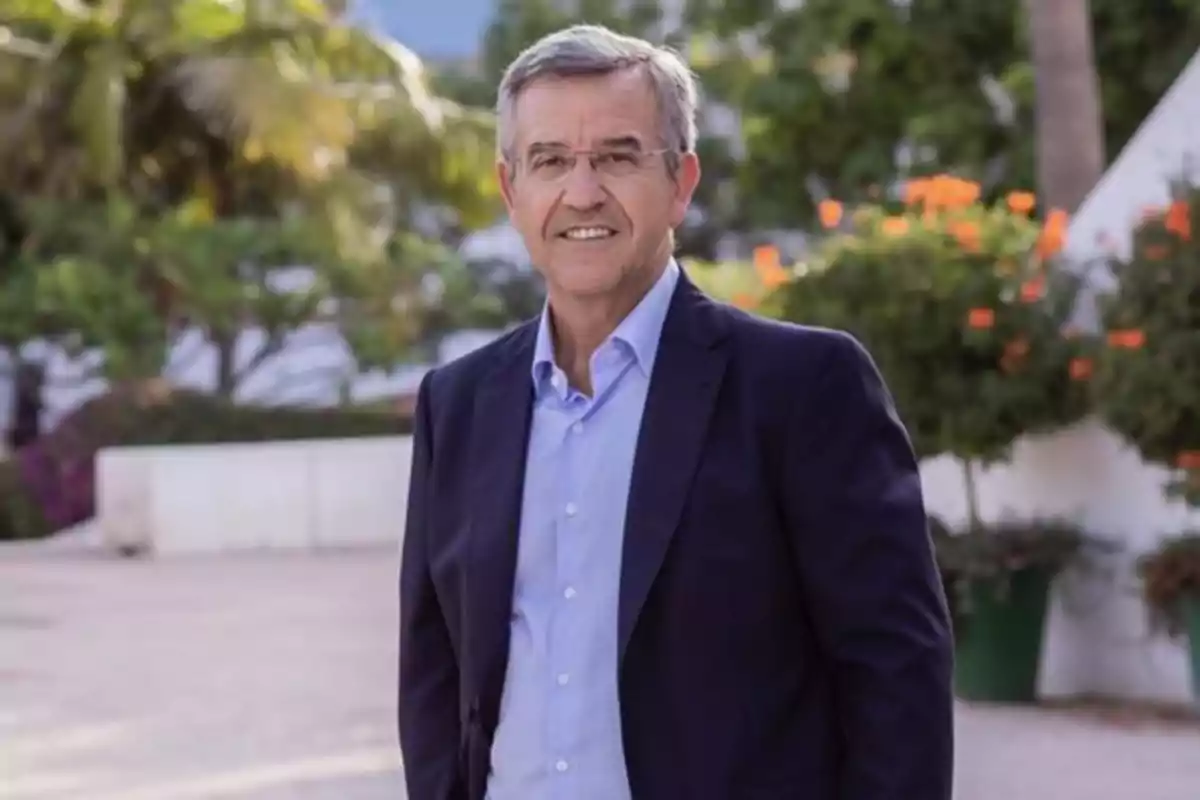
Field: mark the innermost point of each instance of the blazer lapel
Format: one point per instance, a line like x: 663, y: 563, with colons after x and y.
x: 499, y: 435
x: 683, y: 390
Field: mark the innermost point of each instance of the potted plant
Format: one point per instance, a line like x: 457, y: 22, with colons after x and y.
x: 1147, y: 389
x: 997, y: 583
x: 958, y: 305
x: 1171, y: 587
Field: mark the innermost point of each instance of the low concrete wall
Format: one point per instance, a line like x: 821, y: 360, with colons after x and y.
x: 301, y: 495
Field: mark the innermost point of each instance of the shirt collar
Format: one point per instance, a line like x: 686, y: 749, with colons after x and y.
x: 639, y: 331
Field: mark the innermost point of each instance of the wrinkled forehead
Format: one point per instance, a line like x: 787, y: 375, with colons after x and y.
x: 587, y: 112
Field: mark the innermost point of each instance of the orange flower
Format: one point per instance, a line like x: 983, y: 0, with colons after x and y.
x: 1081, y: 369
x: 981, y: 318
x: 1130, y: 339
x: 745, y: 301
x: 958, y: 193
x: 1189, y: 459
x: 830, y: 213
x: 1053, y: 235
x: 941, y: 192
x: 766, y: 258
x: 1021, y: 202
x: 916, y: 191
x: 1179, y: 220
x: 895, y: 226
x: 967, y: 234
x: 1033, y: 289
x: 766, y: 263
x: 775, y: 278
x: 1155, y: 252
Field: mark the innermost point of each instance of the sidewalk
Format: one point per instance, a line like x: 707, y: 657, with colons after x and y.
x: 272, y: 677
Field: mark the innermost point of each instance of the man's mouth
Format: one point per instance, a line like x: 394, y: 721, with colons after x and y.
x: 587, y: 234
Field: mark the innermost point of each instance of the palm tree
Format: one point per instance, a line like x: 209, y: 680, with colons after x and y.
x: 249, y: 106
x: 223, y: 112
x: 1070, y: 129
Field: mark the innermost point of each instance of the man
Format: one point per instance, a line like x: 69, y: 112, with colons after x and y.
x: 658, y: 548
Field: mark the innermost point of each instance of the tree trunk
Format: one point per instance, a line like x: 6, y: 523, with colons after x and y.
x: 1070, y: 127
x: 226, y: 368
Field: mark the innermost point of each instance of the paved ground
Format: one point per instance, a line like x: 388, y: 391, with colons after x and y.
x: 272, y: 678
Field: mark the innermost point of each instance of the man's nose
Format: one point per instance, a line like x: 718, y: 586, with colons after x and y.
x: 583, y: 190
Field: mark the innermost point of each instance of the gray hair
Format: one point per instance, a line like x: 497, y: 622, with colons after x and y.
x: 583, y: 50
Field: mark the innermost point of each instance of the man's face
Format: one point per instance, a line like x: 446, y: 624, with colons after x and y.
x: 588, y: 187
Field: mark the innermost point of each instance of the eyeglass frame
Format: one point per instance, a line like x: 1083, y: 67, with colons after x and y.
x: 591, y: 154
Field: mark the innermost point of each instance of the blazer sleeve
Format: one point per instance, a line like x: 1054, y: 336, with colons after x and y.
x: 855, y: 511
x: 428, y: 681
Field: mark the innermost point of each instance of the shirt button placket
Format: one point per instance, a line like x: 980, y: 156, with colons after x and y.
x: 570, y: 510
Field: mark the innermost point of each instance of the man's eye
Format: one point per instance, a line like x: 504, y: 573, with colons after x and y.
x: 624, y: 159
x: 549, y: 162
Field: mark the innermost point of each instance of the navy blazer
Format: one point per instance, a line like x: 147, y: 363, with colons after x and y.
x: 783, y: 631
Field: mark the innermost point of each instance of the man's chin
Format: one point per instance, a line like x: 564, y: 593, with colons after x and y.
x: 588, y: 276
x: 582, y: 287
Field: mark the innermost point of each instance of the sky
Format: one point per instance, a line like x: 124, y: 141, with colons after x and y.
x: 434, y: 29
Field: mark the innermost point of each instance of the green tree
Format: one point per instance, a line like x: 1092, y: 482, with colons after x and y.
x: 103, y: 276
x: 519, y: 23
x: 251, y: 106
x: 169, y: 157
x: 842, y: 97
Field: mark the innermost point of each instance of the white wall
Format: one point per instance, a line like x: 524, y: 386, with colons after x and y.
x: 1165, y: 148
x: 300, y: 495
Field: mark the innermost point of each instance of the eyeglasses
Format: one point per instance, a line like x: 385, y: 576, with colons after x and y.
x: 551, y: 166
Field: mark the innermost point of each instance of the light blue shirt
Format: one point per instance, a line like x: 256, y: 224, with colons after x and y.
x: 559, y: 735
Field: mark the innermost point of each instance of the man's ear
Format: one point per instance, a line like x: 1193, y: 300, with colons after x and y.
x: 504, y: 175
x: 687, y: 178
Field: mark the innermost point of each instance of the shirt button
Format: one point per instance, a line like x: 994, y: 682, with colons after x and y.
x: 561, y: 765
x: 569, y: 592
x: 564, y: 679
x: 571, y: 509
x: 577, y: 427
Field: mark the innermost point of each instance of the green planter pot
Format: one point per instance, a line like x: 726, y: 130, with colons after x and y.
x: 1191, y: 621
x: 999, y: 646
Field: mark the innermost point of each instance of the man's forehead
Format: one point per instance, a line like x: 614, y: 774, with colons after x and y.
x: 589, y: 111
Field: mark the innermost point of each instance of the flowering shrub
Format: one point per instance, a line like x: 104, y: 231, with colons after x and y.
x: 744, y: 285
x: 62, y: 488
x: 1147, y: 382
x: 20, y: 515
x: 956, y: 303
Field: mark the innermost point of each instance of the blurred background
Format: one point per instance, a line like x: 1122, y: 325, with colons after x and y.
x: 234, y: 234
